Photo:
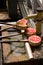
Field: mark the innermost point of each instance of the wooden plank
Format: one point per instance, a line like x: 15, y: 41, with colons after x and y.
x: 1, y: 60
x: 6, y: 45
x: 4, y: 15
x: 8, y: 56
x: 0, y: 55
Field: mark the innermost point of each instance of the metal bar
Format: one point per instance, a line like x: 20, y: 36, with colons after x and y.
x: 30, y: 16
x: 7, y: 24
x: 29, y: 51
x: 22, y: 9
x: 35, y: 4
x: 5, y: 29
x: 28, y: 48
x: 8, y: 41
x: 39, y: 2
x: 9, y: 36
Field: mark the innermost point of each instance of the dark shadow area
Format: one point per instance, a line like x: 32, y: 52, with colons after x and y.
x: 29, y: 62
x: 2, y: 4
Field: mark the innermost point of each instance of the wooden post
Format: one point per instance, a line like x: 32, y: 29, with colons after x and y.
x: 39, y: 20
